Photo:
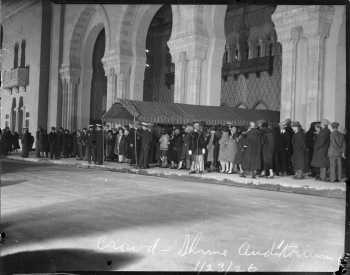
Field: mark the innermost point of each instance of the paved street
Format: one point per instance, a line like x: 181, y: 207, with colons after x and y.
x: 60, y: 218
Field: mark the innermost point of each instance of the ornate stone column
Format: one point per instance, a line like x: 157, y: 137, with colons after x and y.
x: 195, y: 56
x: 288, y: 40
x: 180, y: 77
x: 17, y: 109
x: 316, y: 31
x: 70, y: 81
x: 109, y: 67
x: 137, y: 77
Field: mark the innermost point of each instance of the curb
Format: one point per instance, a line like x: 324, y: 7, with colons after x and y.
x: 329, y: 193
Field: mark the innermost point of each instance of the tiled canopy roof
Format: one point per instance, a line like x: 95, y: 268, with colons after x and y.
x: 175, y: 113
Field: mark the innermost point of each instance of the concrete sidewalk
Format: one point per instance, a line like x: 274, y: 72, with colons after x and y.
x: 307, y: 186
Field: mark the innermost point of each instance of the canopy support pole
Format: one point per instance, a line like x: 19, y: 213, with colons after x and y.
x: 135, y: 142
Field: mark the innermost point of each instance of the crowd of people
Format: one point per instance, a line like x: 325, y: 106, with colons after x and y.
x: 259, y: 150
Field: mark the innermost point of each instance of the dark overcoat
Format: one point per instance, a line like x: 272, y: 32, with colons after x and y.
x: 320, y: 155
x: 216, y: 146
x: 123, y: 149
x: 53, y: 142
x: 268, y: 147
x: 198, y: 143
x: 299, y: 157
x: 186, y: 145
x: 175, y: 148
x: 99, y: 147
x: 252, y: 155
x: 26, y: 144
x: 241, y: 149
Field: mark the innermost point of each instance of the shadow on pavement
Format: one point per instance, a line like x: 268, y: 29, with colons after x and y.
x: 64, y: 260
x: 4, y: 183
x: 100, y: 214
x: 13, y: 166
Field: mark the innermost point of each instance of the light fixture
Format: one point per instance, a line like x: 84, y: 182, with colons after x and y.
x: 147, y: 51
x: 147, y: 65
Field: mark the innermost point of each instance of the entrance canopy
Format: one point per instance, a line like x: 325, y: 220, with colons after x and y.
x: 124, y: 111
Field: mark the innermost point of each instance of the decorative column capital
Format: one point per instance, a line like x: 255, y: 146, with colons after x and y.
x: 115, y: 63
x: 69, y: 73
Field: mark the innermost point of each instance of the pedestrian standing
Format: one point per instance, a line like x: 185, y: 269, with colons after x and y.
x: 90, y: 143
x: 232, y: 150
x: 252, y: 156
x: 283, y: 148
x: 223, y: 150
x: 186, y: 153
x: 212, y: 149
x: 320, y: 156
x: 299, y: 157
x: 336, y: 152
x: 267, y: 150
x: 146, y: 140
x: 53, y: 148
x: 26, y: 143
x: 175, y: 148
x: 198, y: 149
x: 164, y: 146
x: 99, y: 145
x: 310, y: 138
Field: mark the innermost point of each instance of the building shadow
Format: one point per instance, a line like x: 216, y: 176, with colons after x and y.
x: 61, y: 260
x: 100, y: 214
x: 4, y: 183
x: 12, y: 166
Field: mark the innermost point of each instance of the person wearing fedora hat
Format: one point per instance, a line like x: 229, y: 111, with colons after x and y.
x: 299, y: 155
x: 320, y: 158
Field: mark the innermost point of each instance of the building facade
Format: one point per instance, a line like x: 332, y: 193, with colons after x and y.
x: 65, y: 65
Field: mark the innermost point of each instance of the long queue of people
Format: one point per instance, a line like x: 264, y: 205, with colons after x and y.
x: 260, y: 150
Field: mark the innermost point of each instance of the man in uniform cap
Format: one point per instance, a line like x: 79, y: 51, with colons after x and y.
x: 320, y: 156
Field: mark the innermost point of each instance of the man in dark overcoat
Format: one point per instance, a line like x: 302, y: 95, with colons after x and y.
x: 83, y: 142
x: 90, y: 143
x: 99, y: 144
x: 320, y: 156
x: 146, y: 140
x: 284, y: 150
x: 7, y: 140
x: 26, y: 143
x: 198, y: 149
x: 267, y: 150
x: 252, y: 156
x: 175, y: 148
x: 53, y: 146
x: 60, y: 134
x: 299, y: 157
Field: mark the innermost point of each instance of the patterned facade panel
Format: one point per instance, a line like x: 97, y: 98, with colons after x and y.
x: 254, y: 89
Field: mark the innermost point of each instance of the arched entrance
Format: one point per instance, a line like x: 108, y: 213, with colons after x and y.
x: 98, y: 80
x: 159, y: 71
